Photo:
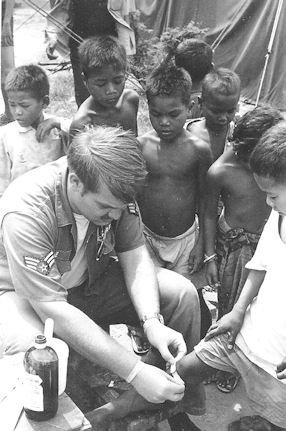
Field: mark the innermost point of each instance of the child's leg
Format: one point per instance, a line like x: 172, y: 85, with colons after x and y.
x: 192, y: 369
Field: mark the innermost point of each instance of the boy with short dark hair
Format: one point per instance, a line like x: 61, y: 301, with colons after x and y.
x: 34, y: 138
x: 251, y: 340
x: 104, y: 66
x: 171, y: 197
x: 219, y: 101
x: 196, y: 57
x: 231, y: 241
x: 177, y: 167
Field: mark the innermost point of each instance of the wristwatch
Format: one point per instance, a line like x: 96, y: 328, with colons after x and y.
x: 152, y: 316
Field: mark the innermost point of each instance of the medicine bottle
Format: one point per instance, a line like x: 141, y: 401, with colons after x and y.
x: 41, y: 381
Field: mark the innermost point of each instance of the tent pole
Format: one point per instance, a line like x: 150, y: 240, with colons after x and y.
x: 168, y: 18
x: 269, y: 49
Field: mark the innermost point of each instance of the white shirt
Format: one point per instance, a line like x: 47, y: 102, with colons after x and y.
x: 20, y: 151
x: 263, y: 334
x: 78, y: 273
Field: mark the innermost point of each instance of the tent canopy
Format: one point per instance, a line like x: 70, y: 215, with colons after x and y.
x: 243, y: 28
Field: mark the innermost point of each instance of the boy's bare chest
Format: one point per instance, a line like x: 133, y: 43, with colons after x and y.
x: 120, y: 117
x: 217, y: 142
x: 172, y: 163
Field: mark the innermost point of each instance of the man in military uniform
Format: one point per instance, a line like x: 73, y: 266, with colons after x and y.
x: 72, y: 249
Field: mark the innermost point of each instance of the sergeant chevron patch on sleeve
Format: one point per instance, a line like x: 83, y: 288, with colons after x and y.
x: 43, y: 265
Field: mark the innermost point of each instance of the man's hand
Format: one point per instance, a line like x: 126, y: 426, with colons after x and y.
x: 196, y: 258
x: 164, y: 339
x: 212, y: 274
x: 229, y: 323
x: 156, y: 386
x: 281, y: 370
x: 45, y: 127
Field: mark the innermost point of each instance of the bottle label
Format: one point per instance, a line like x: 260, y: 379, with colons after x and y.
x: 33, y: 392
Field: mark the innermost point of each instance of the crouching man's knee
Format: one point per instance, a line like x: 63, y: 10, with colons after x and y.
x: 180, y: 305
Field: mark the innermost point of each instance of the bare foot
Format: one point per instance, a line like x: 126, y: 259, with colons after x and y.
x: 212, y: 378
x: 226, y: 382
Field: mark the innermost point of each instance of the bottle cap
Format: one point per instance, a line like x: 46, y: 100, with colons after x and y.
x: 40, y: 341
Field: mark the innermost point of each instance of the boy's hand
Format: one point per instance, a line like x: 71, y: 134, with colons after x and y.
x: 281, y: 370
x: 212, y: 274
x: 156, y: 386
x: 230, y: 323
x: 164, y: 338
x: 45, y: 127
x: 196, y: 258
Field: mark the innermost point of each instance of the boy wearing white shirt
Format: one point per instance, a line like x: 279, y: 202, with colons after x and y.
x: 251, y: 339
x: 34, y: 138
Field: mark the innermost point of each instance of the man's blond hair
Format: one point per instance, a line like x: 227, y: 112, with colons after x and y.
x: 108, y: 155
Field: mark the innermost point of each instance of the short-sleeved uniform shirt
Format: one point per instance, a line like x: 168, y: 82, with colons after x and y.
x: 38, y: 235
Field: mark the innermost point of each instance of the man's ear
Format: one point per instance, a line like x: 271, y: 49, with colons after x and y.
x: 200, y: 100
x: 46, y: 101
x: 75, y: 182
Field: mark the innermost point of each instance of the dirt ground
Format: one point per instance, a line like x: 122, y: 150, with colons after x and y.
x: 29, y: 47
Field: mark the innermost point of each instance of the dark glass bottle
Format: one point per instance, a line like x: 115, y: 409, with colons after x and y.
x: 41, y: 382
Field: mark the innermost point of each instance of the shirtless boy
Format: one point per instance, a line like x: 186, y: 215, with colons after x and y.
x: 173, y: 191
x: 176, y: 167
x: 219, y: 102
x: 103, y: 61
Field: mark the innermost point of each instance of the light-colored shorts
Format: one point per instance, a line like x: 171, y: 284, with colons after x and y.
x: 172, y: 253
x: 267, y: 395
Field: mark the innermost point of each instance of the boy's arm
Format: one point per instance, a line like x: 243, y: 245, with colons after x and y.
x: 78, y: 123
x: 196, y: 256
x: 54, y: 122
x: 214, y: 187
x: 5, y: 166
x: 134, y: 101
x: 249, y: 291
x: 231, y: 323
